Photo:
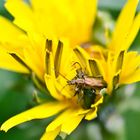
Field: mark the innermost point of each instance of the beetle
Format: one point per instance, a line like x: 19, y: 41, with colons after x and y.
x: 84, y: 80
x: 85, y: 88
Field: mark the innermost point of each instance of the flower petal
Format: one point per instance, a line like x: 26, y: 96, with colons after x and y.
x: 50, y: 83
x: 74, y: 19
x: 59, y: 120
x: 51, y: 135
x: 100, y: 100
x: 32, y: 59
x: 68, y: 121
x: 12, y: 35
x: 130, y: 65
x: 71, y: 124
x: 9, y: 63
x: 122, y: 29
x: 94, y: 68
x: 58, y: 58
x: 12, y: 40
x: 129, y: 79
x: 23, y: 15
x: 83, y: 57
x: 132, y: 33
x: 92, y: 114
x: 39, y: 112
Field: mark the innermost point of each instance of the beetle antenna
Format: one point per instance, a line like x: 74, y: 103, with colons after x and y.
x: 61, y: 75
x: 64, y: 87
x: 77, y: 63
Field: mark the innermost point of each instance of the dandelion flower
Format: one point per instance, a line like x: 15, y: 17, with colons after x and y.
x: 118, y: 65
x: 76, y: 95
x: 72, y: 19
x: 22, y: 42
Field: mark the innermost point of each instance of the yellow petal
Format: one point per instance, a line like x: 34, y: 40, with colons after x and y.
x: 130, y: 64
x: 12, y: 40
x: 23, y: 15
x: 51, y: 135
x: 58, y: 58
x: 66, y: 60
x: 71, y: 123
x: 132, y: 33
x: 68, y: 121
x: 82, y: 111
x: 102, y: 65
x: 111, y: 71
x: 119, y: 61
x: 59, y: 120
x: 94, y: 68
x: 39, y: 112
x: 134, y: 77
x: 124, y: 24
x: 61, y: 88
x: 12, y: 35
x: 33, y: 60
x: 92, y: 114
x: 9, y: 63
x: 50, y: 70
x: 83, y: 57
x: 74, y: 19
x: 50, y: 83
x: 100, y: 100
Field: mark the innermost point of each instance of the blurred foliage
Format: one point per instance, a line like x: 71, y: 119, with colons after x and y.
x: 16, y: 95
x: 114, y: 5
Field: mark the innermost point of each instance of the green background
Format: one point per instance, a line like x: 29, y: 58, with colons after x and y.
x: 16, y: 95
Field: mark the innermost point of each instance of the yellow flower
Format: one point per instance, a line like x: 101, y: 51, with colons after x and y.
x: 72, y: 19
x: 77, y: 94
x: 24, y: 39
x: 19, y: 52
x: 26, y: 50
x: 116, y: 64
